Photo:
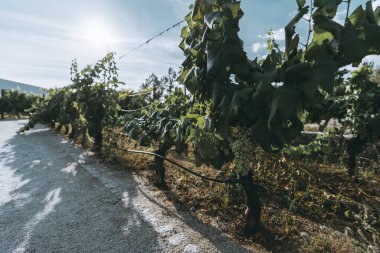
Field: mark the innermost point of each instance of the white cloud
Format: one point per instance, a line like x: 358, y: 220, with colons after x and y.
x: 277, y: 85
x: 376, y: 4
x: 256, y: 47
x: 341, y: 15
x: 372, y: 58
x: 33, y: 20
x: 278, y: 35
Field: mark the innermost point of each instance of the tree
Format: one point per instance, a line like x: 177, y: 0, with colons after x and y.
x: 154, y: 84
x: 169, y: 81
x: 5, y: 103
x: 15, y: 102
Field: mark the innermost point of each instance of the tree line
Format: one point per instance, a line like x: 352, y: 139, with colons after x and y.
x: 16, y: 103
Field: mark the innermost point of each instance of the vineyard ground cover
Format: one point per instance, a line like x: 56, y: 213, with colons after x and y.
x: 331, y: 125
x: 311, y: 207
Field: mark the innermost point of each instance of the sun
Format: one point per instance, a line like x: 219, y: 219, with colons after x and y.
x: 98, y: 34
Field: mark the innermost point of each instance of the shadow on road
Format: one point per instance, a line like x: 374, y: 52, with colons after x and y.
x: 49, y: 204
x: 220, y: 241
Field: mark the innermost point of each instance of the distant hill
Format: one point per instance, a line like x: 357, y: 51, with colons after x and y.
x: 25, y: 88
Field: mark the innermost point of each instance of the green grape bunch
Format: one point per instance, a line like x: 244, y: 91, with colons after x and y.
x: 243, y: 149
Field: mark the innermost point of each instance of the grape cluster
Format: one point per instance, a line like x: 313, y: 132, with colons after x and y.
x: 243, y: 149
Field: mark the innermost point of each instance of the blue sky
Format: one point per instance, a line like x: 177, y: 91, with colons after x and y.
x: 39, y: 38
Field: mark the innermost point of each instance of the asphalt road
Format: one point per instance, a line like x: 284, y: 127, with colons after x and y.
x: 54, y: 197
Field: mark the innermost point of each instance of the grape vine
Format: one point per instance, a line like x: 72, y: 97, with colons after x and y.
x: 265, y: 97
x: 355, y: 104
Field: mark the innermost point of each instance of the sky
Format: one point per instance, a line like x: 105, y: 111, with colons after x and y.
x: 40, y: 38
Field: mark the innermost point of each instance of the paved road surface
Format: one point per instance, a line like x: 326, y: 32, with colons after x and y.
x: 56, y: 198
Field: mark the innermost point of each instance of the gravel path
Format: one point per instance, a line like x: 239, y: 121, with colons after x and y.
x: 54, y: 197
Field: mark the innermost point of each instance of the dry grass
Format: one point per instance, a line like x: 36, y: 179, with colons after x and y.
x: 307, y: 207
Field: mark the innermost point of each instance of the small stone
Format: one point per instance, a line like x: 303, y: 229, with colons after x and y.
x: 112, y: 200
x: 372, y: 249
x: 323, y: 228
x: 305, y: 236
x: 349, y: 232
x: 110, y: 185
x: 336, y: 234
x: 165, y: 229
x: 176, y: 239
x: 191, y: 248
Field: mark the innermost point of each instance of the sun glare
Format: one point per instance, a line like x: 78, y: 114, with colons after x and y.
x: 98, y: 34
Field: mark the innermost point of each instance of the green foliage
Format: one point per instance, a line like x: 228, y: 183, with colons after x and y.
x: 362, y: 103
x: 228, y: 90
x: 355, y: 102
x: 15, y: 102
x: 95, y: 89
x: 162, y: 122
x: 268, y: 96
x: 90, y: 102
x: 160, y: 87
x: 320, y: 144
x: 156, y: 86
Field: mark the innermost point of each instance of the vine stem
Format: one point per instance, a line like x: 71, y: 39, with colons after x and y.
x: 348, y: 9
x: 310, y: 25
x: 181, y: 167
x: 136, y: 110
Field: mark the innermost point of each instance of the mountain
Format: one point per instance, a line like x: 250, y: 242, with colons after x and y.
x: 26, y: 88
